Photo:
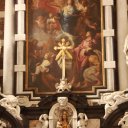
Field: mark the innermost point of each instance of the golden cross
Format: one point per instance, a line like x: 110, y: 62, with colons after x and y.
x: 63, y: 46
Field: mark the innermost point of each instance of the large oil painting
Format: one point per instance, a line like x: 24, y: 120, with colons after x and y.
x: 52, y: 22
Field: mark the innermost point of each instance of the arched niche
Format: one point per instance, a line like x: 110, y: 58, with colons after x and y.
x: 53, y: 118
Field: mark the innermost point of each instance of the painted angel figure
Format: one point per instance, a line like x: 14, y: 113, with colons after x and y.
x: 44, y: 120
x: 82, y: 121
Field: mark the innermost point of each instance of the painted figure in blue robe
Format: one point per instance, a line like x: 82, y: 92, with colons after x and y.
x: 68, y: 17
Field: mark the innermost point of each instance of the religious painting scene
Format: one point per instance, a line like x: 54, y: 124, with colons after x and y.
x: 64, y: 28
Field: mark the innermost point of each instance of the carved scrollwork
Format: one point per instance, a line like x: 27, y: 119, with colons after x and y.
x: 10, y: 103
x: 112, y: 100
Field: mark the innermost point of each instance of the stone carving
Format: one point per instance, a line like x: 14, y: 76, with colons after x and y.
x: 124, y: 121
x: 2, y: 124
x: 23, y: 101
x: 126, y: 49
x: 44, y: 120
x: 10, y: 102
x: 63, y: 86
x: 112, y: 100
x: 82, y: 120
x: 62, y: 101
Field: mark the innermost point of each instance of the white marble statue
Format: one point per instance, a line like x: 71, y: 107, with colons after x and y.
x: 112, y: 100
x: 44, y: 120
x: 10, y: 102
x: 124, y: 121
x: 2, y: 124
x: 126, y: 49
x: 82, y: 120
x: 62, y: 101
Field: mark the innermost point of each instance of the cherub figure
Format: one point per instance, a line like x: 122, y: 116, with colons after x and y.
x: 82, y: 121
x: 44, y: 120
x: 10, y: 102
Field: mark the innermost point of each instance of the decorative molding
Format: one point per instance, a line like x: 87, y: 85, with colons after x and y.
x: 79, y: 100
x: 108, y: 2
x: 62, y: 101
x: 20, y: 7
x: 109, y: 64
x: 108, y: 33
x: 23, y: 101
x: 20, y: 37
x: 20, y: 68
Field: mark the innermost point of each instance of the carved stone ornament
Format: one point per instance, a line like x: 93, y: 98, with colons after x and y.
x: 23, y: 101
x: 82, y: 120
x: 44, y: 121
x: 126, y: 49
x: 63, y: 86
x: 62, y: 101
x: 124, y: 121
x: 112, y: 100
x: 10, y: 103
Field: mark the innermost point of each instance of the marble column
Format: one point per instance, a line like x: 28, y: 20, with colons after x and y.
x: 109, y: 47
x: 20, y: 45
x: 8, y: 68
x: 122, y: 31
